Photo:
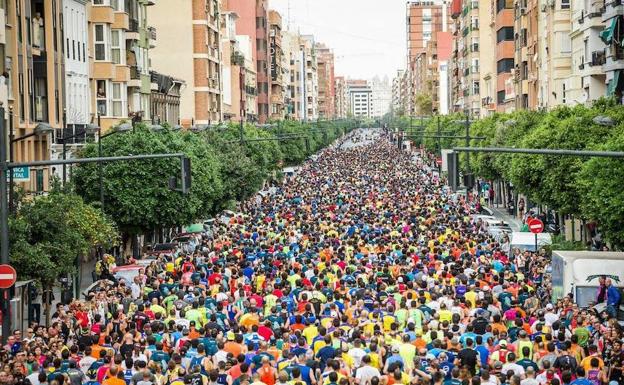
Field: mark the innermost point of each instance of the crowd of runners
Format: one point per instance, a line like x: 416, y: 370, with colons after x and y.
x: 362, y: 269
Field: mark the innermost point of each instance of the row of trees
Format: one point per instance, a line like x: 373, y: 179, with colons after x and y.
x: 50, y: 233
x: 588, y: 188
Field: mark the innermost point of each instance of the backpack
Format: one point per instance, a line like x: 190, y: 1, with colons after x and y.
x: 128, y: 376
x: 198, y: 360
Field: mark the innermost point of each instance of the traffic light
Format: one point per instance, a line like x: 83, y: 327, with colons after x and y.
x: 452, y: 162
x: 186, y: 175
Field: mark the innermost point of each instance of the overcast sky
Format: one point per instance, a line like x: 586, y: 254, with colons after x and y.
x: 367, y: 36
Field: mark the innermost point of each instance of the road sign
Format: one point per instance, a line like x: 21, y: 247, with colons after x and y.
x: 536, y: 226
x: 21, y: 174
x: 8, y: 276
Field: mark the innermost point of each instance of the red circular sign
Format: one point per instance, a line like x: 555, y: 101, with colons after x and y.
x: 8, y: 276
x: 536, y: 226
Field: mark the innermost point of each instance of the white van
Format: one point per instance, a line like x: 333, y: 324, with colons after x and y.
x: 526, y: 241
x: 577, y: 272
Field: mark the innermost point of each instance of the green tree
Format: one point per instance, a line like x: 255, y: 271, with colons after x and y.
x: 137, y: 195
x: 49, y: 233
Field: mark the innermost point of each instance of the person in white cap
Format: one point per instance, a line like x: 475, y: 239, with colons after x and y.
x: 550, y: 317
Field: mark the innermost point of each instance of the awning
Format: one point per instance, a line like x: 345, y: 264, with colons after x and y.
x: 613, y: 83
x: 607, y: 34
x: 195, y: 228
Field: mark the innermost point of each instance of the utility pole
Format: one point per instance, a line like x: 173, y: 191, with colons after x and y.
x: 4, y: 226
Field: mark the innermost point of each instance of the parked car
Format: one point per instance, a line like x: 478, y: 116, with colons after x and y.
x: 169, y: 249
x: 127, y: 272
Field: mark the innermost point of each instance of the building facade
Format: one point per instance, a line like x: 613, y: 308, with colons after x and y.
x: 193, y: 31
x: 277, y: 67
x: 360, y: 98
x: 34, y: 78
x: 294, y: 99
x: 342, y: 110
x: 310, y: 80
x: 326, y: 82
x: 381, y: 96
x: 505, y: 55
x: 588, y: 80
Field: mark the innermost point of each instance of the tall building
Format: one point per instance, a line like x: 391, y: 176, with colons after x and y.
x: 381, y: 96
x: 192, y: 31
x: 424, y: 17
x: 253, y: 22
x: 326, y: 82
x: 503, y: 19
x: 34, y: 77
x: 397, y: 93
x: 527, y: 55
x: 466, y: 54
x: 614, y: 52
x: 487, y: 64
x: 294, y: 100
x: 588, y: 80
x: 249, y: 78
x: 232, y: 64
x: 310, y: 83
x: 342, y: 96
x: 360, y: 98
x: 277, y: 66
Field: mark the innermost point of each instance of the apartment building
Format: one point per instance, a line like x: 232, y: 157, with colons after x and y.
x: 341, y: 108
x: 466, y: 55
x: 248, y: 79
x: 527, y: 58
x: 424, y: 18
x: 277, y: 67
x: 120, y: 79
x: 254, y: 22
x: 360, y: 98
x: 588, y: 80
x: 34, y: 77
x: 310, y: 83
x: 559, y: 68
x: 487, y: 64
x: 294, y: 99
x: 505, y: 55
x: 381, y: 96
x: 193, y: 31
x: 326, y: 82
x: 232, y: 63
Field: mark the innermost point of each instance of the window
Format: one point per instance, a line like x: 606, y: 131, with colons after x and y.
x: 500, y: 97
x: 118, y: 99
x: 118, y: 5
x: 505, y: 34
x: 117, y: 47
x: 565, y: 4
x: 504, y: 65
x: 566, y: 42
x: 102, y: 43
x: 101, y: 99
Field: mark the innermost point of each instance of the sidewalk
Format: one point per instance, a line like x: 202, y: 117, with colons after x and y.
x: 502, y: 213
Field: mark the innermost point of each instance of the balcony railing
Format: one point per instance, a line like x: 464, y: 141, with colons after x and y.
x: 133, y: 25
x: 598, y: 58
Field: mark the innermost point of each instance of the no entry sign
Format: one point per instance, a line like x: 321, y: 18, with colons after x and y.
x: 536, y: 226
x: 8, y: 276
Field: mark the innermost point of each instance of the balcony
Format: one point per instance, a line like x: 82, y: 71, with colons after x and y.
x: 151, y: 36
x: 612, y: 9
x: 135, y: 77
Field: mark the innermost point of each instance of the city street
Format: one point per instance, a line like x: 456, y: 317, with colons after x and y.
x: 311, y: 192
